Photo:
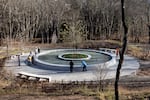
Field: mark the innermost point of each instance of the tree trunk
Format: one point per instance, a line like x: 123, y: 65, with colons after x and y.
x: 121, y: 52
x: 149, y: 34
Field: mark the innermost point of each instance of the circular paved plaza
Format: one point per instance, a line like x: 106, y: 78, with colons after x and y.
x: 130, y: 66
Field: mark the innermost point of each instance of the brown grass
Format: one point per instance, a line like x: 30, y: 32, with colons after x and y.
x: 138, y: 52
x: 129, y: 91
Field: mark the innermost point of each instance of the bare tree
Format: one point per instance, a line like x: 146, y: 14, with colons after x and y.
x: 148, y: 18
x: 101, y: 73
x: 74, y: 31
x: 32, y: 20
x: 124, y: 45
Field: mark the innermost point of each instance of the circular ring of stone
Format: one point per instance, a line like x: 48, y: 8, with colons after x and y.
x: 60, y: 56
x: 63, y: 66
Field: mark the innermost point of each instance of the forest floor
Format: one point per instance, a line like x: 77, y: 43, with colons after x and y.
x: 143, y: 74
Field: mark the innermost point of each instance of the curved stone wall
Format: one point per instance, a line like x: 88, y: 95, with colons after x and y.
x: 62, y: 67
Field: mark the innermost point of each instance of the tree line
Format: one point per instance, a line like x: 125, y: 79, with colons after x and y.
x: 48, y: 21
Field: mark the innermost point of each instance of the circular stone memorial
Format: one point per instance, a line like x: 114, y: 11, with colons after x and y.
x: 58, y: 59
x: 74, y: 56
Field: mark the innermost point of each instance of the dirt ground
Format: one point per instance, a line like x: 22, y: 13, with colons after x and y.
x: 27, y: 97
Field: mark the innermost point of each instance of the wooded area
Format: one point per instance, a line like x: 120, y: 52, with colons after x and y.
x: 47, y: 21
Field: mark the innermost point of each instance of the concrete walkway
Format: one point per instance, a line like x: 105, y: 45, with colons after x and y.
x: 129, y: 67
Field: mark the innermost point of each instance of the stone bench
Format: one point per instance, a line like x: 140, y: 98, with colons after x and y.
x: 31, y: 76
x: 113, y: 51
